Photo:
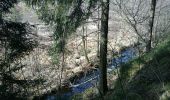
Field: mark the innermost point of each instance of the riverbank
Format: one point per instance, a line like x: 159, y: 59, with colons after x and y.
x: 85, y: 80
x: 144, y: 78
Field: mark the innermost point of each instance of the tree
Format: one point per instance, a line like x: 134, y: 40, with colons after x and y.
x: 65, y: 16
x: 103, y: 47
x: 84, y: 45
x: 98, y: 30
x: 135, y: 14
x: 151, y: 25
x: 63, y: 13
x: 138, y: 13
x: 16, y: 40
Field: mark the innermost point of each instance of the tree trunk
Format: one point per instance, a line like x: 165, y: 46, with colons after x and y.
x: 0, y: 15
x: 151, y: 25
x: 84, y: 47
x: 98, y: 34
x: 103, y: 47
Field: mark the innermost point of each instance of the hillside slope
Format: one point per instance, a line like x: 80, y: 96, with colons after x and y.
x: 145, y: 78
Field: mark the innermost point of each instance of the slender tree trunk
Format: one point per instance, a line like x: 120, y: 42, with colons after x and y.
x: 103, y: 47
x: 98, y: 34
x: 151, y: 25
x: 63, y: 57
x: 0, y: 17
x: 84, y: 47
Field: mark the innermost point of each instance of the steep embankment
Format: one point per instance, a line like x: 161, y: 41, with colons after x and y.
x: 145, y: 78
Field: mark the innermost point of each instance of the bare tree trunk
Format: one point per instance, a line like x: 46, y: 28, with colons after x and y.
x: 103, y: 47
x: 84, y: 47
x: 98, y: 34
x: 63, y: 57
x: 151, y: 25
x: 0, y: 16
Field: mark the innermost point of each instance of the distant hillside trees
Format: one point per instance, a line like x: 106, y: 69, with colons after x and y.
x: 148, y: 18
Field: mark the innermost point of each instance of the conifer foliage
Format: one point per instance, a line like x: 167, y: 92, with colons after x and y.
x: 16, y: 40
x: 65, y: 15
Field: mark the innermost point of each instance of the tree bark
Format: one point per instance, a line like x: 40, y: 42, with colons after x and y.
x: 103, y: 47
x: 84, y: 47
x: 98, y: 34
x: 151, y: 25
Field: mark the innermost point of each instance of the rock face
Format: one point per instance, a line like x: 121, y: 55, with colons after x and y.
x: 39, y: 64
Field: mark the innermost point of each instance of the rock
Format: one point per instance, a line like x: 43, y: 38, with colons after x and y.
x: 76, y: 69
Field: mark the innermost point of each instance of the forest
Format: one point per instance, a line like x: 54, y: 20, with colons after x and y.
x: 84, y: 49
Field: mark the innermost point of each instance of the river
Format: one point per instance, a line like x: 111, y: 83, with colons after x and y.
x: 92, y: 78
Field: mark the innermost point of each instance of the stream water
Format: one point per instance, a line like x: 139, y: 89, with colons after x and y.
x: 92, y: 78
